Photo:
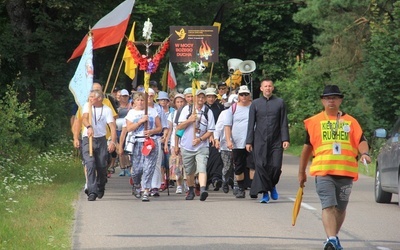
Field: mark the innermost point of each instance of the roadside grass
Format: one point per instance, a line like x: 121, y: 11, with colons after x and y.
x: 41, y: 215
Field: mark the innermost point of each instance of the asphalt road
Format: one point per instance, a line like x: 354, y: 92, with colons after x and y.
x: 120, y: 221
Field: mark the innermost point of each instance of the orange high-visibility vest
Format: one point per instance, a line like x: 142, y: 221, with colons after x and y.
x: 334, y: 154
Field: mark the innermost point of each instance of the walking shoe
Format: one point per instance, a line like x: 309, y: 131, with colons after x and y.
x: 163, y: 187
x: 274, y: 194
x: 331, y: 244
x: 338, y: 243
x: 108, y: 174
x: 235, y: 190
x: 122, y: 173
x: 265, y: 198
x: 137, y: 193
x: 241, y: 193
x: 91, y: 197
x: 154, y: 192
x: 203, y: 196
x: 225, y: 187
x: 179, y: 190
x: 145, y: 197
x: 217, y: 184
x: 190, y: 195
x: 197, y: 189
x: 100, y: 194
x: 127, y: 172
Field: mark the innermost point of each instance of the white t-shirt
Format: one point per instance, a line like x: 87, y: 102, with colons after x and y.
x: 101, y: 116
x: 239, y: 122
x: 219, y: 132
x: 202, y: 126
x: 135, y: 115
x: 171, y: 118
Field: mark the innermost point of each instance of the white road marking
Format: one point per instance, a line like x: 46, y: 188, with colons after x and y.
x: 383, y: 248
x: 304, y: 205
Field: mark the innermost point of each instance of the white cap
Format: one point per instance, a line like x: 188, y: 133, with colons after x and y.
x: 243, y: 89
x: 211, y: 91
x: 124, y: 92
x: 150, y: 91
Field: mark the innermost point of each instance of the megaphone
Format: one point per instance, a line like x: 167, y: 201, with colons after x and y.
x: 233, y: 64
x: 247, y: 66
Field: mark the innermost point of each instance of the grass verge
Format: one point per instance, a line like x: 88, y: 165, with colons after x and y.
x: 41, y: 217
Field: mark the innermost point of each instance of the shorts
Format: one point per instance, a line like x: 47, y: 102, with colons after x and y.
x: 195, y: 161
x: 334, y: 190
x: 242, y: 160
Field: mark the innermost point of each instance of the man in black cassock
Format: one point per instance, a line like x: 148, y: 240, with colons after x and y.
x: 267, y: 137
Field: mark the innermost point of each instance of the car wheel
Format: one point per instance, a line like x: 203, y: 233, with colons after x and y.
x: 380, y: 195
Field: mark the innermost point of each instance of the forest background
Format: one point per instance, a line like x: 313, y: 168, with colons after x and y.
x: 301, y: 45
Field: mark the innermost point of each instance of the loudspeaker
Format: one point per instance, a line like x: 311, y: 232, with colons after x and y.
x: 247, y: 66
x: 233, y: 64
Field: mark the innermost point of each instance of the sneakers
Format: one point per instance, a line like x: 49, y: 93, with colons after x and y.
x: 235, y: 190
x: 225, y: 187
x: 274, y: 194
x: 338, y: 243
x: 331, y: 244
x: 137, y: 192
x: 100, y: 194
x: 91, y: 197
x: 179, y: 190
x: 122, y: 173
x: 241, y: 193
x: 217, y: 184
x: 190, y: 195
x: 203, y: 196
x: 265, y: 198
x: 145, y: 197
x: 154, y: 192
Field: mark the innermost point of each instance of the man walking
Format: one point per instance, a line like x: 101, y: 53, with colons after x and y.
x: 268, y: 135
x: 334, y: 138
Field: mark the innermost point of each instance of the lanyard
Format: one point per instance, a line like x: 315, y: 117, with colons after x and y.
x: 334, y: 131
x: 101, y: 113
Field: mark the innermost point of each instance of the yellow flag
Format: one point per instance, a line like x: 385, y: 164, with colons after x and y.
x: 164, y: 79
x: 130, y: 66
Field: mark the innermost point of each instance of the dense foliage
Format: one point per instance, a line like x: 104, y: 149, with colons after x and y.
x: 301, y: 44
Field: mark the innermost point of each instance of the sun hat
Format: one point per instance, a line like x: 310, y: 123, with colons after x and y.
x: 162, y: 95
x: 200, y: 91
x: 179, y: 96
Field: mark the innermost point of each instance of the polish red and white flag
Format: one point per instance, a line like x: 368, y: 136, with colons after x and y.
x: 109, y: 30
x: 171, y: 77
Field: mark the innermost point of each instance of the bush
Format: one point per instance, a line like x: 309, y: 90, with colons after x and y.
x: 19, y: 126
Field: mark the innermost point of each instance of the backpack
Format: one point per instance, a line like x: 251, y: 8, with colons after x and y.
x: 190, y: 112
x: 205, y: 111
x: 234, y: 105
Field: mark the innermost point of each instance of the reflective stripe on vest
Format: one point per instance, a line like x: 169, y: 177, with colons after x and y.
x: 322, y: 140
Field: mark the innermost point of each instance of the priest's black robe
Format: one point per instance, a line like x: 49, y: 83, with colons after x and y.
x: 267, y: 130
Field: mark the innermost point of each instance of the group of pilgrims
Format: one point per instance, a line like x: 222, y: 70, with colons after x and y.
x: 192, y: 141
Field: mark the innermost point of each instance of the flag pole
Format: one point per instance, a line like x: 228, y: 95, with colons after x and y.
x: 119, y: 71
x: 211, y: 71
x: 112, y: 66
x: 90, y: 137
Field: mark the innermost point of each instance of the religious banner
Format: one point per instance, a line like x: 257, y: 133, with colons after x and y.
x: 193, y: 43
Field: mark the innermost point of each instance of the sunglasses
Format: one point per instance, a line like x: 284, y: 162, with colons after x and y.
x: 244, y: 94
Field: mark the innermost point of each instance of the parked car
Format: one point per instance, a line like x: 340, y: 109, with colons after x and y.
x: 387, y: 175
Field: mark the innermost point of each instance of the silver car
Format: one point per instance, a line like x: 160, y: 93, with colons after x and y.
x: 387, y: 176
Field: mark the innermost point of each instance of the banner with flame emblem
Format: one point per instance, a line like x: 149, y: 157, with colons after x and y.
x: 193, y: 43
